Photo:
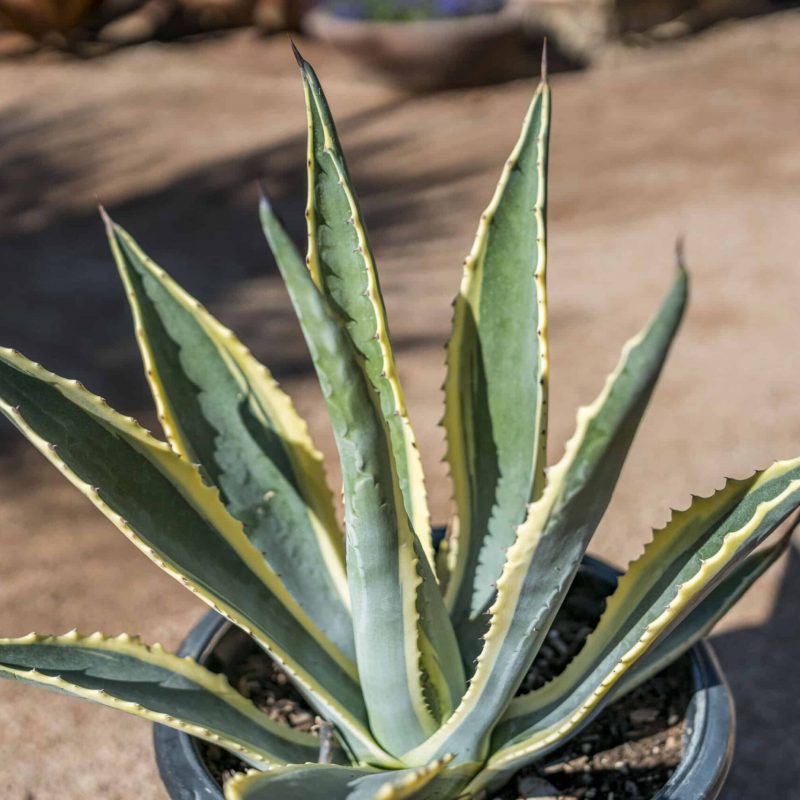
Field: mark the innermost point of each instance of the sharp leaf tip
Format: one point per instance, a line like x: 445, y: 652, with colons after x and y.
x: 301, y: 62
x: 545, y: 70
x: 680, y: 252
x: 263, y: 197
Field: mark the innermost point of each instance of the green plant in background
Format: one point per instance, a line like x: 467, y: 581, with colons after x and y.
x: 414, y: 657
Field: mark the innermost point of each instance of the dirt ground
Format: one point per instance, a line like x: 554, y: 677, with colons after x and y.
x: 698, y: 138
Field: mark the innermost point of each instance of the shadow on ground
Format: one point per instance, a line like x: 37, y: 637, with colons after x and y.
x: 63, y: 303
x: 761, y: 665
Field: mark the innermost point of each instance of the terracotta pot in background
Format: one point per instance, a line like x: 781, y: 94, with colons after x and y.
x: 423, y: 55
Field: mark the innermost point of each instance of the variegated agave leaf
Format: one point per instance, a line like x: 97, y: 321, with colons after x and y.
x: 496, y: 387
x: 148, y: 682
x: 408, y: 658
x: 363, y: 451
x: 159, y: 501
x: 690, y: 628
x: 342, y: 267
x: 701, y: 556
x: 319, y: 781
x: 550, y: 543
x: 222, y: 410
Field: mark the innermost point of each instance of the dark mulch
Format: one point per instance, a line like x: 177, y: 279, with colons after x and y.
x: 629, y: 751
x: 632, y: 748
x: 261, y: 680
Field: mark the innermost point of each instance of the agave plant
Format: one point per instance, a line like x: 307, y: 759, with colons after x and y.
x: 414, y: 655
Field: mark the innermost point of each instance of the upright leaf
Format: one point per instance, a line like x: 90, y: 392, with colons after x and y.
x: 497, y: 374
x: 389, y: 562
x: 381, y: 563
x: 342, y: 266
x: 223, y: 410
x: 158, y: 500
x: 551, y: 542
x: 148, y: 682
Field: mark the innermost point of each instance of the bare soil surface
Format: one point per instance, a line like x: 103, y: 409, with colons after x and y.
x: 629, y: 751
x: 699, y: 138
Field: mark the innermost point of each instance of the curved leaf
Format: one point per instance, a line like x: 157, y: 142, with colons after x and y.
x: 158, y: 500
x: 701, y: 620
x: 550, y: 543
x: 409, y: 664
x: 324, y: 782
x: 222, y: 410
x: 342, y: 266
x: 497, y: 379
x: 424, y: 682
x: 148, y: 682
x: 683, y: 565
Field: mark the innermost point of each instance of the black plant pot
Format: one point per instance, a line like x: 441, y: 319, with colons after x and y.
x: 708, y: 740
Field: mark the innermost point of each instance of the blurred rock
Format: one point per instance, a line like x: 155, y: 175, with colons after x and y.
x: 534, y: 787
x: 583, y: 28
x: 139, y: 23
x: 45, y: 19
x: 14, y: 43
x: 59, y: 23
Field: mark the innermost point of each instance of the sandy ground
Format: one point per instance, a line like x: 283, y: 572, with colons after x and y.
x: 699, y: 138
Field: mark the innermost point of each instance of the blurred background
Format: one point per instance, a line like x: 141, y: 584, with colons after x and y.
x: 678, y: 117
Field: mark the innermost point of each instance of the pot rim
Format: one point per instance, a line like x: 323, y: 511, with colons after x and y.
x: 319, y: 17
x: 708, y: 739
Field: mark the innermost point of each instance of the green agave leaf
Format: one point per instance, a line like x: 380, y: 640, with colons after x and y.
x: 409, y: 664
x: 423, y: 645
x: 159, y: 501
x: 687, y: 562
x: 701, y: 620
x: 223, y: 410
x: 688, y: 632
x: 497, y: 379
x: 146, y: 681
x: 550, y: 543
x: 342, y: 266
x: 324, y: 782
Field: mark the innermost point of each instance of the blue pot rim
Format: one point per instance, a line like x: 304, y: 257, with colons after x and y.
x: 708, y: 740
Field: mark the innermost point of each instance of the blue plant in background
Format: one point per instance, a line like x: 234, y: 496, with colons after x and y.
x: 410, y: 10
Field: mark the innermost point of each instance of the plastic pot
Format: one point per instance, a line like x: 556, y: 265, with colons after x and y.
x: 708, y: 740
